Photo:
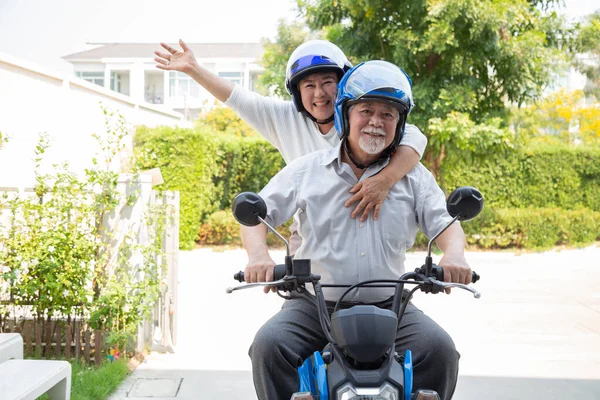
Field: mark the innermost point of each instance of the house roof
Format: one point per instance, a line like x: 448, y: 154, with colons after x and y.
x: 146, y: 50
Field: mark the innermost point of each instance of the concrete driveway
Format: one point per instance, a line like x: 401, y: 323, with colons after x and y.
x: 535, y: 332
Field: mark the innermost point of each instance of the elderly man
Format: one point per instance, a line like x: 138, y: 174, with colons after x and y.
x: 373, y: 102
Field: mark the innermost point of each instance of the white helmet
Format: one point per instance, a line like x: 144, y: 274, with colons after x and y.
x: 308, y: 58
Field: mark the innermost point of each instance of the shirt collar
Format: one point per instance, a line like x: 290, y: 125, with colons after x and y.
x: 334, y: 153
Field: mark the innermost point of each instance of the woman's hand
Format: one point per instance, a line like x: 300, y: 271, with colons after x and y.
x: 369, y: 194
x: 175, y: 60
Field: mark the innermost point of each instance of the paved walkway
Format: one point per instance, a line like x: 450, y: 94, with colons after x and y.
x: 535, y: 332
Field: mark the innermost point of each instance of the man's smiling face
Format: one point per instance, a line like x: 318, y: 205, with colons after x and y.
x: 372, y: 127
x: 318, y: 93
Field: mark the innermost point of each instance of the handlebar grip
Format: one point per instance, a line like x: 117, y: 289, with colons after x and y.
x: 438, y: 273
x: 278, y: 273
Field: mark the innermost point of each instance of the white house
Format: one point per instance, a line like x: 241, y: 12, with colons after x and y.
x: 36, y: 100
x: 129, y: 69
x: 572, y: 79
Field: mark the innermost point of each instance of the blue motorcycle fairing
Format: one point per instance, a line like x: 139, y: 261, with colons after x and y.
x: 320, y: 370
x: 408, y: 375
x: 306, y: 376
x: 313, y: 376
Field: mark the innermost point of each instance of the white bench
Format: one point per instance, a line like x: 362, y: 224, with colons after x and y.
x: 11, y: 346
x: 29, y: 379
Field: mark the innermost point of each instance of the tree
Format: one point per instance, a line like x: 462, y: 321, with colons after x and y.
x: 458, y: 137
x: 588, y: 42
x: 472, y: 57
x: 462, y: 55
x: 224, y: 119
x: 275, y: 57
x: 560, y: 118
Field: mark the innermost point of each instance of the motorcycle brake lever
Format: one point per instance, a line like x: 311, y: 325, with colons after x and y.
x: 230, y: 290
x: 448, y: 285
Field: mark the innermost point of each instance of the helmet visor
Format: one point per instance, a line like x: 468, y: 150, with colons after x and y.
x: 310, y: 61
x: 379, y: 79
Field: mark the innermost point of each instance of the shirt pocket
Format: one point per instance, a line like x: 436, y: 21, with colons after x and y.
x: 399, y: 224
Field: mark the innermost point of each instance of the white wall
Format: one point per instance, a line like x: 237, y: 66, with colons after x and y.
x: 143, y: 75
x: 35, y: 100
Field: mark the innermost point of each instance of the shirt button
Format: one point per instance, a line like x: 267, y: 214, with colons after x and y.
x: 362, y: 225
x: 362, y: 254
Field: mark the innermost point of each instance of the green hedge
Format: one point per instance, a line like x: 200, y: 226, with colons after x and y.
x: 245, y: 164
x: 208, y: 169
x: 532, y: 228
x: 539, y: 228
x: 221, y: 228
x: 186, y: 161
x: 524, y: 190
x: 563, y: 177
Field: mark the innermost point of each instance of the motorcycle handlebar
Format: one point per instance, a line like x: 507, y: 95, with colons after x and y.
x: 279, y: 273
x: 438, y: 274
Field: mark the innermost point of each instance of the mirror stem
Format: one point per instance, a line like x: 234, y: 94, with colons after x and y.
x: 428, y: 259
x: 287, y: 245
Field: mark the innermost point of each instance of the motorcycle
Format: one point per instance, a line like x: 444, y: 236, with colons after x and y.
x: 360, y: 361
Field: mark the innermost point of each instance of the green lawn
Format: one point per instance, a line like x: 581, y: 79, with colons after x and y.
x: 89, y: 383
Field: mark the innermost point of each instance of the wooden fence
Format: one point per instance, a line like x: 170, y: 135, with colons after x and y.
x: 58, y: 339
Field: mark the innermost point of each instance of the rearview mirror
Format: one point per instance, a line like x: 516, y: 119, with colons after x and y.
x: 247, y: 206
x: 466, y: 202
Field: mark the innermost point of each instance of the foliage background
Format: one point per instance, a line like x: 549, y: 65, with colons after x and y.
x: 62, y: 258
x: 529, y: 190
x: 208, y: 169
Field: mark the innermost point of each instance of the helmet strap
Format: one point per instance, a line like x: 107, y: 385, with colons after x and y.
x: 321, y: 122
x: 347, y: 149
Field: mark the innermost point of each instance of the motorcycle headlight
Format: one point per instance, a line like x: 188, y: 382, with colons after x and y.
x: 385, y: 392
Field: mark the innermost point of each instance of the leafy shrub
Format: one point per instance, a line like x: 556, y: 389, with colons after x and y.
x: 187, y: 162
x: 208, y: 168
x: 538, y: 177
x: 222, y: 228
x: 223, y: 119
x: 532, y: 228
x: 245, y: 165
x: 64, y: 253
x: 528, y: 228
x: 562, y: 117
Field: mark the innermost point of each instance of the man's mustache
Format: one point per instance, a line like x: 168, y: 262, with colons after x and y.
x: 373, y: 131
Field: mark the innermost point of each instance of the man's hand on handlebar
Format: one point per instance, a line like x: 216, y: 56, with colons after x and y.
x: 456, y: 269
x: 260, y: 269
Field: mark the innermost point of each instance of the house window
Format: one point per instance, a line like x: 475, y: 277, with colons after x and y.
x: 254, y: 81
x: 154, y: 87
x: 119, y: 82
x: 235, y: 77
x: 94, y: 77
x: 115, y: 81
x: 181, y: 85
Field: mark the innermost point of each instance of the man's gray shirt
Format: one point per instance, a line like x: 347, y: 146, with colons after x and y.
x: 344, y: 250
